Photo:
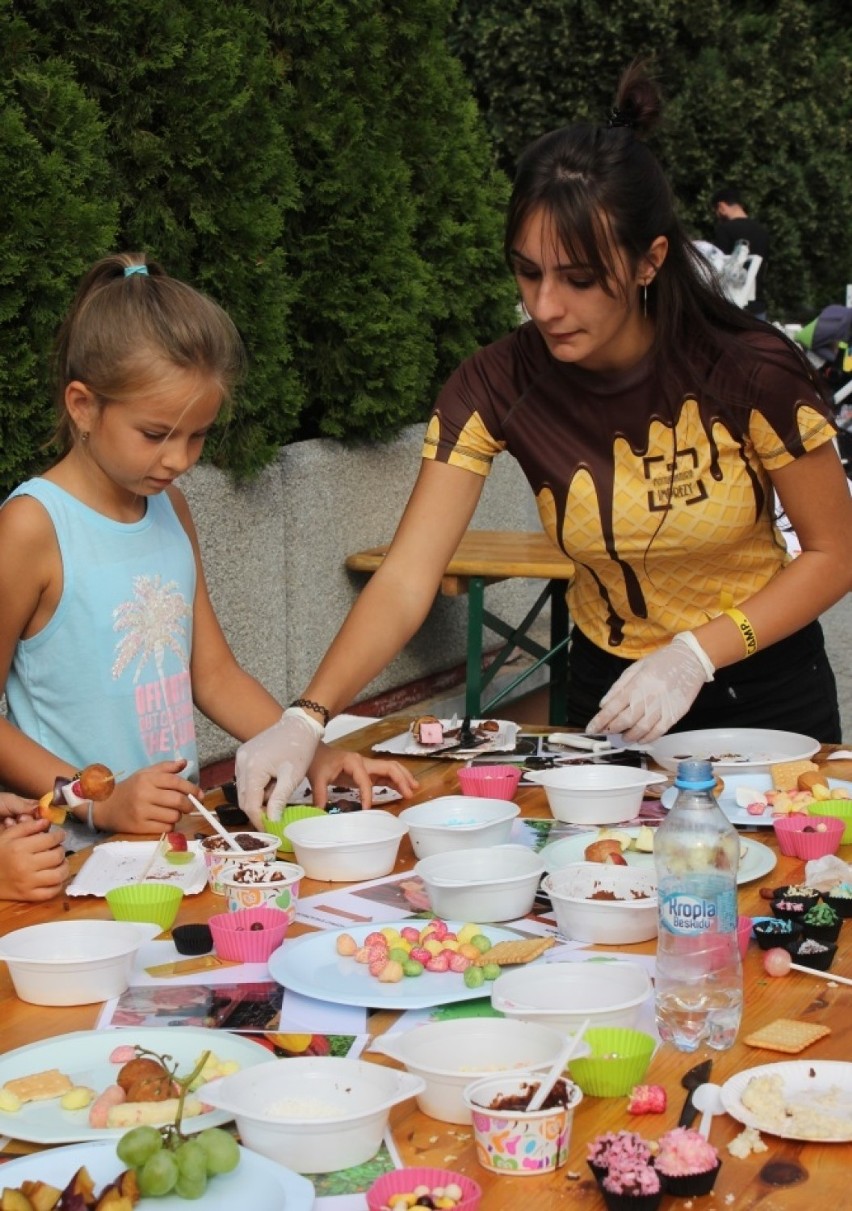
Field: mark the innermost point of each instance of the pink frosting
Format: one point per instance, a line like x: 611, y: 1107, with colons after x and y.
x: 683, y: 1152
x: 631, y: 1178
x: 616, y: 1147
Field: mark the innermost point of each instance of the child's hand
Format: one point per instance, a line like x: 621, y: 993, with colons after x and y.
x: 13, y: 808
x: 150, y: 801
x: 32, y: 860
x: 336, y: 765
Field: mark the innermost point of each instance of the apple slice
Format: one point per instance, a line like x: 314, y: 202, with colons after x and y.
x: 177, y: 841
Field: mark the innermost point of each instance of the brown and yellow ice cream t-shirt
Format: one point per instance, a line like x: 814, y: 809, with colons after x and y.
x: 664, y: 505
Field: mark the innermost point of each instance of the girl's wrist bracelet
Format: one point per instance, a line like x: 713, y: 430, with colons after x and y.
x: 745, y: 629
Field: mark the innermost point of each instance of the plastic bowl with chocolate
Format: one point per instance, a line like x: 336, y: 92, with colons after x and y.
x: 254, y: 847
x: 607, y: 904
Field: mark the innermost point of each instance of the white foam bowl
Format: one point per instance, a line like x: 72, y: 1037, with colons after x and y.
x: 610, y: 922
x: 358, y: 1094
x: 497, y: 884
x: 595, y: 794
x: 563, y: 995
x: 349, y: 847
x: 455, y: 822
x: 449, y: 1055
x: 73, y: 962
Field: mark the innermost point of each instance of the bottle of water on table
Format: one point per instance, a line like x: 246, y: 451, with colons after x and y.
x: 699, y: 980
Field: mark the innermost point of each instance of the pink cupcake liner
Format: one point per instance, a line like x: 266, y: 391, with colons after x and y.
x: 234, y: 938
x: 403, y: 1181
x: 490, y: 781
x: 794, y: 842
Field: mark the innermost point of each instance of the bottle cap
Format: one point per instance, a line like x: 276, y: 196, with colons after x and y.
x: 695, y: 776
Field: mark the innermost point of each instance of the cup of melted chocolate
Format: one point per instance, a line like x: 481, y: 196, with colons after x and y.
x: 254, y: 847
x: 513, y: 1140
x: 255, y: 884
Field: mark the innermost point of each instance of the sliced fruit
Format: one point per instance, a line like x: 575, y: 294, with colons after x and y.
x: 47, y: 810
x: 177, y: 841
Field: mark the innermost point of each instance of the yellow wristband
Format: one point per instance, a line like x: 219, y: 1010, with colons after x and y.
x: 745, y: 629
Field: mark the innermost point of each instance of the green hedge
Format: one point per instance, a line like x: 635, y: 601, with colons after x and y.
x: 319, y: 167
x: 759, y: 96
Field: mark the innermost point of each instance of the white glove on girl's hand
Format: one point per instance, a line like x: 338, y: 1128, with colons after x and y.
x: 654, y: 692
x: 283, y: 753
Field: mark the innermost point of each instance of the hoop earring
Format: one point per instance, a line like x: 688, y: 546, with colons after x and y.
x: 645, y: 299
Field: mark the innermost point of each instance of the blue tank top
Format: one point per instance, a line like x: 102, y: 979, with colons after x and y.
x: 108, y: 678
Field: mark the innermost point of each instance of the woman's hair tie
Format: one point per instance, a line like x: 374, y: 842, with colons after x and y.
x: 129, y: 270
x: 621, y: 117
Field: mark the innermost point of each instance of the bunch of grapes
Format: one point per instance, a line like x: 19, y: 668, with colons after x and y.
x: 168, y: 1163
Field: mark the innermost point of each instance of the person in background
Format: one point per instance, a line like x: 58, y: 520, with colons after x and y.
x: 108, y: 637
x: 654, y: 420
x: 733, y: 224
x: 33, y: 865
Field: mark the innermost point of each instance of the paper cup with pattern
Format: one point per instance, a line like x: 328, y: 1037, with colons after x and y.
x: 519, y: 1143
x: 275, y: 884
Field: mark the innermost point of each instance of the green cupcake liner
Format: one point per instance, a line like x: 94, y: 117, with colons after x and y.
x: 296, y: 811
x: 618, y: 1060
x: 157, y: 903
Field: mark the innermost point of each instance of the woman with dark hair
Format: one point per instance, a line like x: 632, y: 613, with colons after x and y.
x: 654, y: 421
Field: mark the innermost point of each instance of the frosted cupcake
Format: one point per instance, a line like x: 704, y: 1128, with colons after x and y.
x: 687, y: 1163
x: 616, y: 1148
x: 632, y: 1185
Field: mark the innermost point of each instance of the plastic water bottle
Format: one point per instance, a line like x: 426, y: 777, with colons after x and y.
x: 699, y: 980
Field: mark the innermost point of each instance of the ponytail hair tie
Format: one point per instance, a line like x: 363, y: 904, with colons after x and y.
x: 129, y: 270
x: 621, y: 117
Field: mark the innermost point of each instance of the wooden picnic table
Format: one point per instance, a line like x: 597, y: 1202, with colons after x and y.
x: 487, y: 557
x: 790, y: 1176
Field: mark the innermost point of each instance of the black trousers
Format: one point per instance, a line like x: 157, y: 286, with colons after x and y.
x: 789, y: 686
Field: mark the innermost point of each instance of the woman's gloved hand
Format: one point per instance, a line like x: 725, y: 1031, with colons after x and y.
x: 282, y: 753
x: 654, y: 692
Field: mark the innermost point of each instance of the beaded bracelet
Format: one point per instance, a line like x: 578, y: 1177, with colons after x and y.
x: 307, y: 705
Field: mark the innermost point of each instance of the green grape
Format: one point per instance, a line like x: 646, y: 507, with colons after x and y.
x: 220, y: 1149
x: 136, y: 1145
x: 193, y: 1187
x: 191, y: 1159
x: 158, y: 1175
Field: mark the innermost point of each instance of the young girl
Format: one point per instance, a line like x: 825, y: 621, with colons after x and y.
x: 32, y: 857
x: 107, y: 633
x: 654, y: 421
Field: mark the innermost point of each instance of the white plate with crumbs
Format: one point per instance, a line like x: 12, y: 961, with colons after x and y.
x: 500, y: 741
x: 795, y: 1100
x: 732, y: 748
x: 255, y: 1182
x: 115, y: 863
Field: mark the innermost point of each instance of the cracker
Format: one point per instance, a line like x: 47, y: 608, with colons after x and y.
x: 785, y: 774
x: 787, y: 1034
x: 40, y: 1086
x: 522, y: 951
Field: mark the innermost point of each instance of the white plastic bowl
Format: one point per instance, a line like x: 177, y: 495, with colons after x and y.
x: 450, y: 1055
x: 349, y: 847
x: 595, y: 794
x: 73, y: 962
x: 497, y: 884
x: 455, y: 822
x: 611, y: 922
x: 563, y: 995
x: 362, y: 1095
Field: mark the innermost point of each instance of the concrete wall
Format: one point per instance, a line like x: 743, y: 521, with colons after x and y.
x: 274, y: 554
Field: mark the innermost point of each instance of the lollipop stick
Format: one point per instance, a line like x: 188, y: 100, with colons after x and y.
x: 822, y: 975
x: 211, y: 820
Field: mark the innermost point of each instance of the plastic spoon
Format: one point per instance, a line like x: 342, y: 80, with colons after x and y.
x: 554, y: 1073
x: 708, y: 1099
x: 214, y: 823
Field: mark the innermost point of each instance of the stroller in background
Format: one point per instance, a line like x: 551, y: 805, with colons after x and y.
x: 827, y: 340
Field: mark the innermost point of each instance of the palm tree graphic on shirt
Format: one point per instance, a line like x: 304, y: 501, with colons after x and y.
x: 155, y: 622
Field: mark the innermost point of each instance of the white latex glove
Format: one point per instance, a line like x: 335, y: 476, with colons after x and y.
x: 655, y: 692
x: 283, y: 753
